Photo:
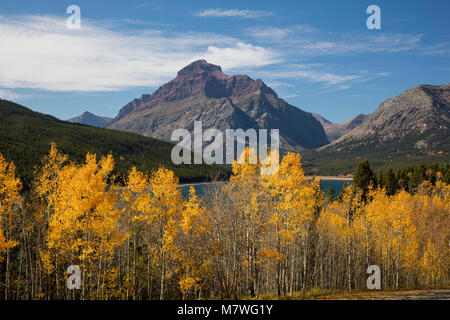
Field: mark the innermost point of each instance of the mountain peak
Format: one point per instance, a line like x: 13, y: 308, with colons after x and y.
x: 201, y: 91
x: 334, y: 130
x: 91, y: 119
x: 200, y: 67
x: 354, y: 122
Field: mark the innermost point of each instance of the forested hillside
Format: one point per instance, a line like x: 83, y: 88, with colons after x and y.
x: 25, y: 137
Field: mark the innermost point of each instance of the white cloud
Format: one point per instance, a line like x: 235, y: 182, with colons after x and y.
x: 40, y: 52
x: 273, y: 33
x: 9, y: 95
x: 313, y: 75
x: 242, y: 55
x: 245, y: 14
x: 283, y: 76
x: 357, y: 44
x: 308, y: 41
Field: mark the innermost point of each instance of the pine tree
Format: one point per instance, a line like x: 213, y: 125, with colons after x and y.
x: 330, y: 194
x: 379, y: 179
x: 364, y: 179
x: 390, y: 182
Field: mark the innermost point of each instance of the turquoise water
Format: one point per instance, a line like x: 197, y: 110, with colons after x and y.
x: 336, y: 184
x: 324, y: 184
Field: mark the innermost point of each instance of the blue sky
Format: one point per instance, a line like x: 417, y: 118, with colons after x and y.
x: 317, y: 55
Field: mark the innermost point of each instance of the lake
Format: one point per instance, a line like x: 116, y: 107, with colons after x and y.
x: 324, y: 184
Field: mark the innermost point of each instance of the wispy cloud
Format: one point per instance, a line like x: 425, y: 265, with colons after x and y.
x: 274, y: 33
x: 9, y: 95
x: 315, y: 76
x: 308, y: 41
x: 311, y: 73
x: 317, y: 73
x: 40, y: 52
x: 239, y: 13
x: 442, y: 48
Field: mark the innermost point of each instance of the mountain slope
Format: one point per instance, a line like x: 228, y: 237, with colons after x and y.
x: 411, y: 128
x: 414, y: 112
x: 25, y: 136
x: 334, y: 130
x: 91, y: 119
x: 201, y: 91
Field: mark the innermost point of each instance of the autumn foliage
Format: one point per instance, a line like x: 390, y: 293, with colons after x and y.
x: 257, y: 234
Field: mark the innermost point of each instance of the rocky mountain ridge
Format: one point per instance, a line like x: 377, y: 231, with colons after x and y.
x: 201, y: 91
x: 335, y: 130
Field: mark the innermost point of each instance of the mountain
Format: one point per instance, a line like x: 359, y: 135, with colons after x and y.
x: 334, y: 130
x: 423, y: 109
x: 411, y: 128
x: 201, y: 91
x: 25, y: 137
x: 91, y: 119
x: 354, y: 122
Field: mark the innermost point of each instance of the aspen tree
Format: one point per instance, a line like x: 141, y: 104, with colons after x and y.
x: 293, y: 207
x: 165, y: 211
x: 83, y: 228
x: 10, y: 187
x: 194, y: 253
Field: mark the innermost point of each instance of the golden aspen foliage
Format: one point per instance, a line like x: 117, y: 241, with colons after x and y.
x: 293, y: 198
x: 338, y: 218
x: 293, y: 204
x: 266, y: 231
x: 166, y: 204
x: 193, y: 251
x: 432, y: 220
x: 10, y: 187
x: 393, y: 234
x: 333, y: 222
x: 3, y: 244
x: 47, y: 175
x: 83, y: 226
x: 135, y: 199
x: 239, y: 227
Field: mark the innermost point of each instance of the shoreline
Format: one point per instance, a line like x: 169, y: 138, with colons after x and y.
x: 199, y: 183
x: 336, y: 178
x: 333, y: 178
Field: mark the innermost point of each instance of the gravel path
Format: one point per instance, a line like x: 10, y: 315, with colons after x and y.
x: 439, y: 294
x: 432, y: 294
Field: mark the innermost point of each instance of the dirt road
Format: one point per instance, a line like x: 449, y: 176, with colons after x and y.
x: 441, y: 294
x: 434, y: 294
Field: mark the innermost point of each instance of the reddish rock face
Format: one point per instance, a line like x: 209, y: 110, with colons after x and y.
x: 201, y: 91
x: 201, y: 67
x: 204, y: 78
